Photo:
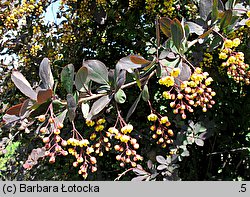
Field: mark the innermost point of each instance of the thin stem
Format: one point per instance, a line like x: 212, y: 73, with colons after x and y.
x: 122, y: 174
x: 190, y: 64
x: 95, y: 96
x: 219, y: 34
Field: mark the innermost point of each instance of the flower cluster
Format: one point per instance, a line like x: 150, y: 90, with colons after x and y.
x: 162, y: 133
x: 99, y: 136
x: 127, y: 146
x: 50, y: 134
x: 27, y: 8
x: 236, y: 68
x: 188, y: 94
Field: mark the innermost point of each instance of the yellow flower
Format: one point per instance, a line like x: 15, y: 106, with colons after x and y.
x: 164, y: 120
x: 184, y: 84
x: 101, y: 121
x: 228, y: 43
x: 248, y: 23
x: 236, y: 42
x: 152, y: 117
x: 248, y: 14
x: 125, y: 138
x: 90, y: 123
x: 222, y: 55
x: 89, y: 150
x: 208, y: 81
x: 113, y: 130
x: 166, y: 95
x: 198, y: 70
x: 175, y: 72
x: 83, y: 142
x: 92, y: 136
x: 231, y: 59
x: 127, y: 129
x: 99, y: 127
x: 167, y: 81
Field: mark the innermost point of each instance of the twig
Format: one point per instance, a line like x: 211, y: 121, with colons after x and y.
x: 95, y: 96
x: 122, y: 174
x: 226, y: 151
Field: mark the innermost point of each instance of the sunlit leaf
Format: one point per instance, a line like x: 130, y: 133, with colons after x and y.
x: 85, y: 109
x: 199, y: 142
x: 45, y: 74
x: 161, y: 167
x: 177, y: 33
x: 160, y: 159
x: 97, y: 71
x: 99, y: 105
x: 23, y: 85
x: 81, y: 79
x: 145, y: 93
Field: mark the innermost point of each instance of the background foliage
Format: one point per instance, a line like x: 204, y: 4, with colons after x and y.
x: 211, y: 146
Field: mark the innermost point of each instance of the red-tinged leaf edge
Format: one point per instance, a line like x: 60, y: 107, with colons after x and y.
x: 138, y: 60
x: 165, y: 24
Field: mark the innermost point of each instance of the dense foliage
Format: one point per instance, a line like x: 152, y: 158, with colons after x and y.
x: 121, y: 90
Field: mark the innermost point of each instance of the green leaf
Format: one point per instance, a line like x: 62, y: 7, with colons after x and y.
x: 97, y: 71
x: 99, y: 105
x: 145, y: 93
x: 137, y: 78
x: 67, y: 77
x: 215, y: 11
x: 177, y: 33
x: 120, y: 96
x: 133, y: 107
x: 103, y: 89
x: 226, y: 19
x: 165, y: 24
x: 230, y: 4
x: 71, y: 104
x: 81, y: 79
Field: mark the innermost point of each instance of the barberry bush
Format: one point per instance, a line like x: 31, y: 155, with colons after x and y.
x: 125, y: 90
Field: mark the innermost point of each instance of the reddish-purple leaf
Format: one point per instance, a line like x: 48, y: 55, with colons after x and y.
x: 14, y: 110
x: 44, y: 95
